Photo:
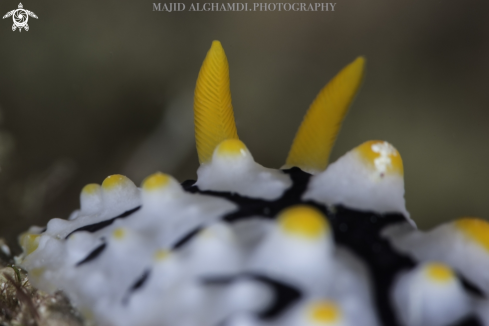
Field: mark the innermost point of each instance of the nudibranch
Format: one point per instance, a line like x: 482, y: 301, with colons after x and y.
x: 308, y: 244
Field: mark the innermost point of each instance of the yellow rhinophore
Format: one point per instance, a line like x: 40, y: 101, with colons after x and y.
x: 439, y: 272
x: 213, y: 111
x: 303, y: 221
x: 317, y: 133
x: 324, y: 312
x: 476, y: 229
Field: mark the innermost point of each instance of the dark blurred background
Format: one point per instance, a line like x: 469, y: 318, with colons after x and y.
x: 102, y: 87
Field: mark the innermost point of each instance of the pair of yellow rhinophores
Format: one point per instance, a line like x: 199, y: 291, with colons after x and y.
x: 215, y: 126
x: 214, y: 116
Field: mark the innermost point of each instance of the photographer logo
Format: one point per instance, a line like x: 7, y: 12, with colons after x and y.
x: 20, y: 17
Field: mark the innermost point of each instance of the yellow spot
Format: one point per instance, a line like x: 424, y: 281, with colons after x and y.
x: 326, y: 312
x: 91, y: 189
x: 29, y: 242
x: 439, y: 272
x: 161, y: 254
x: 113, y: 181
x: 213, y: 111
x: 316, y: 136
x: 231, y: 147
x: 303, y: 221
x: 119, y: 233
x: 476, y: 229
x: 36, y: 272
x: 87, y: 315
x: 206, y: 234
x: 156, y: 181
x: 381, y: 156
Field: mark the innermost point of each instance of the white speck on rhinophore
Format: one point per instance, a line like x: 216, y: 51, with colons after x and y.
x: 385, y: 150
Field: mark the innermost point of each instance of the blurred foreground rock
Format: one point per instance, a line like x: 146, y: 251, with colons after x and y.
x: 22, y: 304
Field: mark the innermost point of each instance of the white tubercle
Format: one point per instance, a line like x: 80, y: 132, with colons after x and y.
x: 214, y: 252
x: 159, y: 189
x: 462, y: 244
x: 120, y: 245
x: 242, y: 296
x: 145, y: 305
x: 78, y: 245
x: 233, y: 169
x: 57, y: 227
x: 186, y: 304
x: 91, y: 199
x: 430, y: 295
x: 369, y: 178
x: 352, y: 288
x: 167, y: 269
x: 120, y: 191
x: 245, y: 295
x: 251, y: 231
x: 175, y: 213
x: 243, y: 320
x: 43, y: 264
x: 304, y: 240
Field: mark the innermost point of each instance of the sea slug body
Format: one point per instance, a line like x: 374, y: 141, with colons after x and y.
x: 306, y: 245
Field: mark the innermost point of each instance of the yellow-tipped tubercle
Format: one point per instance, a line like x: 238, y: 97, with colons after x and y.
x: 213, y: 111
x: 476, y: 229
x: 324, y: 312
x: 29, y: 242
x: 381, y: 156
x: 119, y: 233
x: 303, y: 221
x: 113, y: 181
x: 91, y: 189
x: 439, y: 272
x: 316, y: 136
x: 156, y: 181
x: 231, y: 147
x: 161, y: 254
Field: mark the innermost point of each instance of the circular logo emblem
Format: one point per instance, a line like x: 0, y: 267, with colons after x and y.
x: 20, y: 17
